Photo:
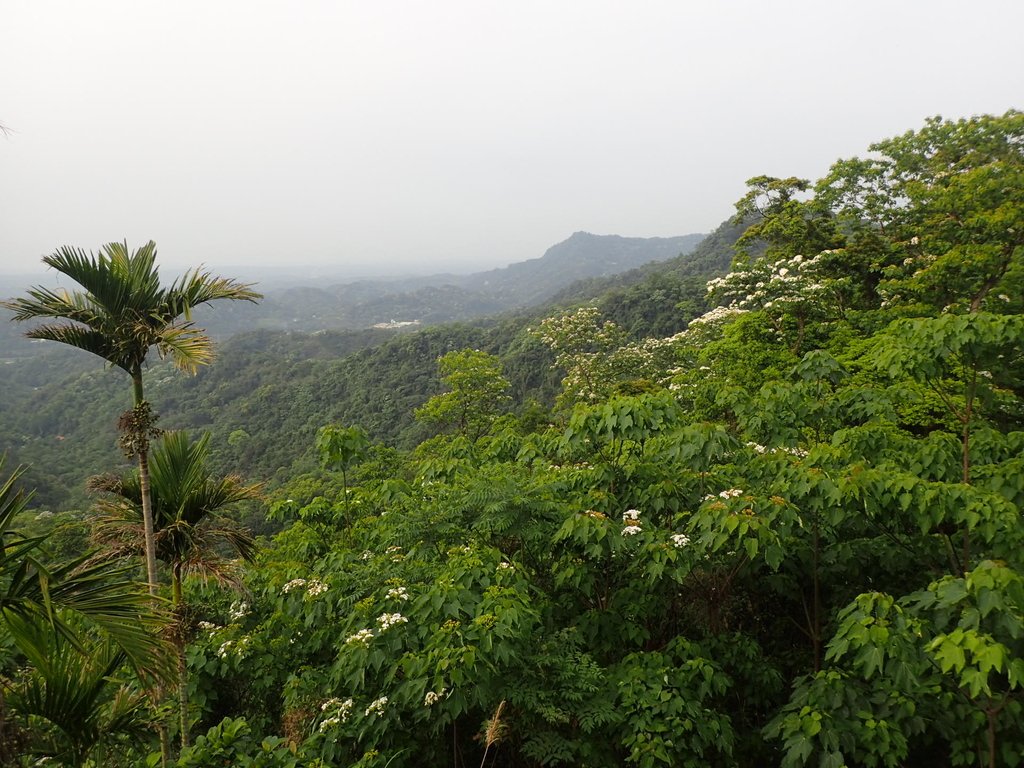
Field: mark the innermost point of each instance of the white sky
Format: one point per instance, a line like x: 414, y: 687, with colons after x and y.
x: 442, y: 134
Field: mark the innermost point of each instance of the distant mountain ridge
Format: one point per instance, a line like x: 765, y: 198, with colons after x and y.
x: 444, y: 298
x: 581, y: 256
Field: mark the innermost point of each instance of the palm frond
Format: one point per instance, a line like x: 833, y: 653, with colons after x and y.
x: 227, y: 534
x: 118, y: 532
x: 80, y: 337
x: 122, y: 300
x: 59, y: 303
x: 105, y: 483
x: 188, y: 505
x: 195, y: 288
x: 103, y: 594
x: 178, y: 467
x: 218, y: 493
x: 74, y: 702
x: 138, y: 271
x: 187, y: 346
x: 12, y: 501
x: 210, y: 566
x: 107, y: 288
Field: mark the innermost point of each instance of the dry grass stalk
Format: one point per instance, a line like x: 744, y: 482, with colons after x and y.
x: 495, y: 731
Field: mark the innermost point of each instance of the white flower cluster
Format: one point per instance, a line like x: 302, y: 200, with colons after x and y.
x: 680, y: 540
x: 732, y: 493
x: 584, y: 347
x: 377, y: 706
x: 631, y: 519
x: 718, y: 314
x: 392, y: 550
x: 767, y: 283
x: 578, y: 330
x: 362, y: 637
x: 503, y: 566
x: 238, y: 611
x: 433, y: 697
x: 315, y: 588
x: 800, y: 453
x: 233, y: 648
x: 342, y: 711
x: 388, y: 620
x: 208, y: 626
x: 330, y: 704
x: 650, y: 359
x: 367, y: 554
x: 398, y: 593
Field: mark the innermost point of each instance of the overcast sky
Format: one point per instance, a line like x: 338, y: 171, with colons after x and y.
x: 452, y: 135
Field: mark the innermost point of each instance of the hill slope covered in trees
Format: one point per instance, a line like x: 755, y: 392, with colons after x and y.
x: 789, y: 533
x: 271, y: 390
x: 445, y: 298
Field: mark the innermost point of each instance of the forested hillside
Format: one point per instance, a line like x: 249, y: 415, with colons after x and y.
x: 271, y: 390
x: 759, y: 514
x: 446, y: 298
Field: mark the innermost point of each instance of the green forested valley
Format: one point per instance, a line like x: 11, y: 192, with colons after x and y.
x: 271, y: 390
x: 756, y: 505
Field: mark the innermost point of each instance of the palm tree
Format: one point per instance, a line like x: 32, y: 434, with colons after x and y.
x: 120, y: 315
x: 35, y: 592
x: 191, y: 530
x: 58, y: 615
x: 73, y: 705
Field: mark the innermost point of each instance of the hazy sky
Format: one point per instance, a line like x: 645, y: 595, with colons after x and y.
x: 448, y: 134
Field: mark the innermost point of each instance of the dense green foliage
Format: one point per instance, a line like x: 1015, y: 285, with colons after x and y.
x: 783, y: 530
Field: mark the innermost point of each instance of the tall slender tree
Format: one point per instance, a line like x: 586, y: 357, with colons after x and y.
x: 122, y: 312
x: 191, y: 529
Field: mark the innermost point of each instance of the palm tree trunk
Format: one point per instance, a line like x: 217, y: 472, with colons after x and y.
x: 179, y: 645
x: 147, y: 501
x: 183, y: 695
x: 149, y: 533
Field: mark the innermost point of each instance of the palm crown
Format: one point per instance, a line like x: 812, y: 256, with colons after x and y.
x: 123, y: 310
x: 188, y: 505
x: 191, y: 530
